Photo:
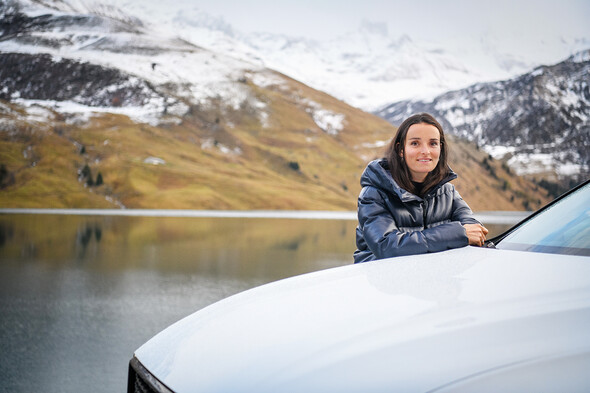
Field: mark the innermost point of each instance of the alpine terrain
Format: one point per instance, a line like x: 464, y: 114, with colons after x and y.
x: 99, y: 110
x: 369, y: 66
x: 537, y: 123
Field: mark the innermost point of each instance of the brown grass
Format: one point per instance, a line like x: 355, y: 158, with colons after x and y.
x: 291, y: 164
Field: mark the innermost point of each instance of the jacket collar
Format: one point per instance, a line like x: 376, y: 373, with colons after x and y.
x: 377, y: 174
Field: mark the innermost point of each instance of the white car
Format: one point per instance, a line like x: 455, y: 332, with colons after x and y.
x: 514, y: 317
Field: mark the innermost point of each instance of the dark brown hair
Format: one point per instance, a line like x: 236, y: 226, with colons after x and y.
x: 399, y: 168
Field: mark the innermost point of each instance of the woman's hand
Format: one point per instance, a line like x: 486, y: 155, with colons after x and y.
x: 476, y: 234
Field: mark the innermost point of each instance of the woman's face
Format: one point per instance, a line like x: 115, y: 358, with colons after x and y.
x: 421, y: 150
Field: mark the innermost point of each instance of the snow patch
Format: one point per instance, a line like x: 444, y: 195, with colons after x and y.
x: 211, y: 143
x: 263, y: 116
x: 40, y: 114
x: 331, y: 122
x: 266, y: 79
x: 375, y: 145
x: 154, y: 161
x: 328, y: 121
x: 499, y: 152
x: 539, y: 163
x: 264, y: 119
x: 80, y: 114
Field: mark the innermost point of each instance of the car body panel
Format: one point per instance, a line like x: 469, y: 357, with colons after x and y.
x: 433, y: 322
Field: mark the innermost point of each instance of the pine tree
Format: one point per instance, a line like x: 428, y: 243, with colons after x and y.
x: 99, y: 181
x: 3, y: 173
x: 85, y: 172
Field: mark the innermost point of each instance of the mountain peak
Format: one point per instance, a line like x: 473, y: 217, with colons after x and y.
x: 537, y: 122
x: 580, y: 57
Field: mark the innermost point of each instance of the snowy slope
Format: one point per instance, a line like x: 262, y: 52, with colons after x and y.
x: 539, y: 122
x: 368, y: 67
x: 67, y: 40
x: 79, y: 58
x: 61, y: 61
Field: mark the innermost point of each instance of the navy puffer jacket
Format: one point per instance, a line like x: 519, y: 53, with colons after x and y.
x: 394, y: 222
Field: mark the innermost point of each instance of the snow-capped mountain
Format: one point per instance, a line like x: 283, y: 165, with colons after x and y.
x: 76, y: 55
x: 365, y: 68
x: 101, y: 57
x: 368, y: 67
x: 223, y: 131
x: 68, y: 72
x: 539, y: 122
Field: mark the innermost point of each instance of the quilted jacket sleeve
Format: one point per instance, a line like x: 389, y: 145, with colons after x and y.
x: 461, y: 211
x: 385, y: 240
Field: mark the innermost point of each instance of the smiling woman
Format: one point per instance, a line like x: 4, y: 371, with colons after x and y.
x: 407, y: 205
x: 421, y: 151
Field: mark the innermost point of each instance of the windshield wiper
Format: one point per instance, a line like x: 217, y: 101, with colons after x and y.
x: 489, y: 244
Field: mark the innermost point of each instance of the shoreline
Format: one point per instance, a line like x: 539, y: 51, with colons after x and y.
x: 488, y: 217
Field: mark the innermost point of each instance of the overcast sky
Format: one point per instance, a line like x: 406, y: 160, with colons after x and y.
x: 425, y: 19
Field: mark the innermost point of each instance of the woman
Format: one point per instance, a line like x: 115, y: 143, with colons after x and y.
x: 407, y: 205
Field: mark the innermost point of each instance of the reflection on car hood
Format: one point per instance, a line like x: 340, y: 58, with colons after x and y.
x: 415, y: 323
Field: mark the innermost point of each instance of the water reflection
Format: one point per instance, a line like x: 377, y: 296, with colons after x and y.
x: 87, y: 233
x: 6, y: 233
x: 78, y: 294
x: 238, y: 247
x: 273, y: 248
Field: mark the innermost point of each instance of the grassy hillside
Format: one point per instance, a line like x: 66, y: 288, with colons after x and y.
x: 222, y: 158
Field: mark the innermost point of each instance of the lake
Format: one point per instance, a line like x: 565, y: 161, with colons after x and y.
x: 79, y: 292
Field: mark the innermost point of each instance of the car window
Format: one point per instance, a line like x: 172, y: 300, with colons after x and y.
x: 563, y: 228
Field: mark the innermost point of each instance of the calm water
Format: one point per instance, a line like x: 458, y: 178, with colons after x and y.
x: 78, y: 293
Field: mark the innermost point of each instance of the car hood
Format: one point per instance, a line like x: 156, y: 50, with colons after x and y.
x: 418, y: 323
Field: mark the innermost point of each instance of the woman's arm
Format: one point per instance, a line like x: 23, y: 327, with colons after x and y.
x: 461, y: 210
x: 385, y: 240
x: 476, y: 233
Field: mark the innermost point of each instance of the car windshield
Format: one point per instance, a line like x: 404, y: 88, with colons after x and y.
x: 563, y: 228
